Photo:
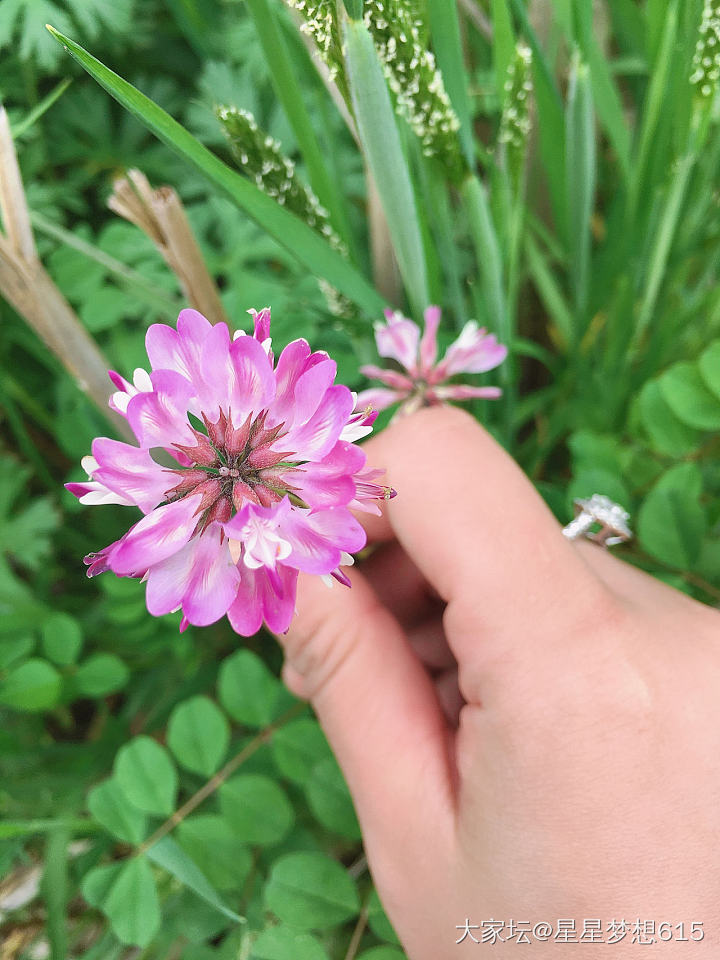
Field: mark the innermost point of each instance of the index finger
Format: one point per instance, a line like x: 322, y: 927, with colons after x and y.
x: 473, y: 523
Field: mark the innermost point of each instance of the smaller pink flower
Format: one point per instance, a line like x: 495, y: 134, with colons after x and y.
x: 424, y: 382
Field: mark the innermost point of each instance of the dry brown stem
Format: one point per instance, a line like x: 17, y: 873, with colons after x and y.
x: 160, y: 214
x: 27, y: 286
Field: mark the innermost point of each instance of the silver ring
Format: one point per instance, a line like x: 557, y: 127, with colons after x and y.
x: 599, y: 519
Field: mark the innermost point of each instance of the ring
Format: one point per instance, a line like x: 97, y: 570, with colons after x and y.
x: 599, y: 519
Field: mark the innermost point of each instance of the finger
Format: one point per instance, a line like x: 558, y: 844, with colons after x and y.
x: 377, y: 705
x: 451, y: 700
x: 430, y: 644
x: 399, y: 585
x: 476, y: 528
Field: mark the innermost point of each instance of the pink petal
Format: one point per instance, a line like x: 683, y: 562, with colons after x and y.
x: 130, y: 471
x: 159, y: 419
x: 311, y: 388
x: 378, y: 398
x: 329, y: 482
x: 258, y: 598
x: 156, y: 537
x: 474, y: 351
x: 319, y: 537
x: 314, y: 439
x: 179, y: 350
x: 292, y: 363
x: 398, y: 339
x: 428, y: 344
x: 247, y: 380
x: 213, y: 582
x: 390, y: 378
x: 463, y: 392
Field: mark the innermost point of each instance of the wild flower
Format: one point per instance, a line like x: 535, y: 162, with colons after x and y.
x: 515, y: 120
x: 706, y: 61
x: 261, y: 158
x: 264, y: 473
x: 398, y: 30
x: 424, y: 381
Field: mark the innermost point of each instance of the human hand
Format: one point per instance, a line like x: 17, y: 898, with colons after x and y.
x: 582, y: 780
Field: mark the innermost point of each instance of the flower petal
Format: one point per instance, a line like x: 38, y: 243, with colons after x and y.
x: 378, y: 398
x: 474, y: 351
x: 314, y: 439
x: 156, y: 537
x: 398, y: 339
x: 319, y: 537
x: 131, y: 472
x: 159, y: 419
x: 428, y: 344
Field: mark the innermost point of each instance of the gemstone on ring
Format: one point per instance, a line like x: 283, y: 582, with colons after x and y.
x: 599, y: 512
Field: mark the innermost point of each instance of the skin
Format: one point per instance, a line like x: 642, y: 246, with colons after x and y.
x: 530, y: 728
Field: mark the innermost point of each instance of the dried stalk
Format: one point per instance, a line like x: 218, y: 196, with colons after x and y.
x: 160, y: 214
x: 26, y: 285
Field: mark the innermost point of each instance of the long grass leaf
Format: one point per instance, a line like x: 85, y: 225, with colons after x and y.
x: 380, y: 140
x: 55, y: 891
x: 447, y: 45
x: 503, y: 46
x: 302, y: 242
x: 580, y: 169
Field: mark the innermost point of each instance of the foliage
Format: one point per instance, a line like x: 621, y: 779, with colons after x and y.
x: 172, y: 793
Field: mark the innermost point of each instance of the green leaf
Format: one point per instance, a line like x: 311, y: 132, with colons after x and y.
x: 168, y: 855
x: 13, y: 649
x: 294, y: 235
x: 132, y: 904
x: 378, y: 921
x: 247, y: 689
x: 100, y: 674
x: 215, y: 847
x: 382, y: 953
x: 667, y: 434
x: 108, y: 804
x: 380, y: 140
x: 709, y: 366
x: 311, y: 892
x: 581, y: 173
x: 671, y: 522
x: 503, y: 47
x: 198, y: 735
x: 282, y: 943
x: 330, y: 801
x: 32, y: 686
x: 147, y: 776
x: 447, y: 47
x: 297, y: 747
x: 687, y: 395
x: 257, y: 808
x: 62, y: 638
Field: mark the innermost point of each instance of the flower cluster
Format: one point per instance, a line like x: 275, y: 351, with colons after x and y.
x: 319, y: 22
x: 260, y: 158
x: 515, y: 121
x: 413, y: 76
x: 706, y: 62
x: 424, y: 380
x: 263, y: 474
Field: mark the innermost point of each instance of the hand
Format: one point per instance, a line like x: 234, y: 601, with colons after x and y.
x: 560, y: 759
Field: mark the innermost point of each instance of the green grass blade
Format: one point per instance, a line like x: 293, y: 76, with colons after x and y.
x: 287, y: 87
x: 604, y: 92
x: 32, y: 118
x: 549, y: 290
x: 447, y: 45
x: 380, y: 140
x: 302, y: 242
x: 503, y: 43
x: 580, y: 168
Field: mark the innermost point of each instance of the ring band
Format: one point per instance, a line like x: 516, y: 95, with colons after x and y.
x: 603, y: 513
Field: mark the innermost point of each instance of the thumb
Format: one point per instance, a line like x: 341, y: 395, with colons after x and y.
x: 347, y: 654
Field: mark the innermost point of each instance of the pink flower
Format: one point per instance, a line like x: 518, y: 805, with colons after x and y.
x: 263, y: 491
x: 424, y: 382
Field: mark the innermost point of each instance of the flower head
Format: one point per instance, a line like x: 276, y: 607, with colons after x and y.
x: 424, y: 380
x: 262, y: 478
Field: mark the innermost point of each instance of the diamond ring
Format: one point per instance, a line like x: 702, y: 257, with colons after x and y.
x: 599, y: 519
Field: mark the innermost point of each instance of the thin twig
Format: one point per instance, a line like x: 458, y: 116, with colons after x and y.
x: 13, y: 205
x: 160, y: 214
x: 359, y: 930
x: 219, y: 778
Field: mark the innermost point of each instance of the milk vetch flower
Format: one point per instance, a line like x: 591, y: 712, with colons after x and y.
x: 261, y: 474
x: 423, y: 380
